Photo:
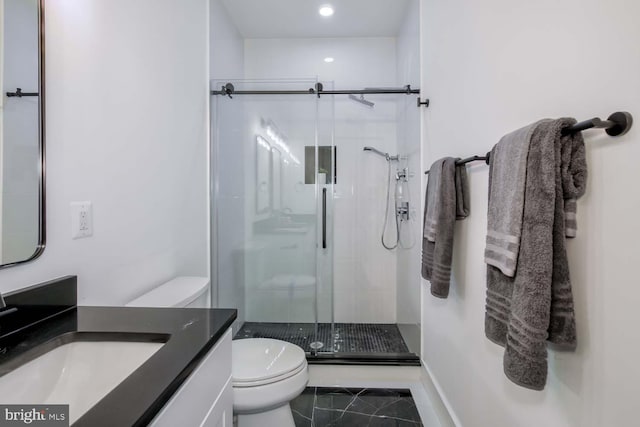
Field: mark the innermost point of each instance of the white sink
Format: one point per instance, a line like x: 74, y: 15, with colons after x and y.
x: 78, y: 374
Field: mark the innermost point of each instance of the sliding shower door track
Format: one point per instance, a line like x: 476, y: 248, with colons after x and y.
x: 379, y: 359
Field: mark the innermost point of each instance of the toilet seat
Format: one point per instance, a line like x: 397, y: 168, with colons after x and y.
x: 261, y: 361
x: 266, y: 381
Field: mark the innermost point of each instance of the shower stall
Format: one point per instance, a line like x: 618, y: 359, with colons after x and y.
x: 310, y: 230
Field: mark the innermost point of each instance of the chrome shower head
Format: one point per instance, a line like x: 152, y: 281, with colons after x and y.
x: 380, y: 153
x: 361, y: 100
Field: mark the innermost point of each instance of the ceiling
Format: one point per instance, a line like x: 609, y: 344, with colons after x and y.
x: 300, y: 18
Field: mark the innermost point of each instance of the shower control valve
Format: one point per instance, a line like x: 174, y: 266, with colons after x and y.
x: 403, y: 174
x: 402, y: 211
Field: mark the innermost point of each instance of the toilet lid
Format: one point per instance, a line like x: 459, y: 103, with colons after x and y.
x: 259, y: 359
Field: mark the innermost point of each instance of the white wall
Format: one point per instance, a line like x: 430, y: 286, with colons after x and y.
x: 494, y: 66
x: 226, y: 44
x: 2, y: 98
x: 364, y: 272
x: 127, y: 114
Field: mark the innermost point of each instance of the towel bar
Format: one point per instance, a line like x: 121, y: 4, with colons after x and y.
x: 19, y: 94
x: 485, y: 158
x: 617, y: 124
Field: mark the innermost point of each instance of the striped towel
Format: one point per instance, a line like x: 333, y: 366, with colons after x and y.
x: 570, y: 219
x: 535, y: 306
x: 447, y: 199
x: 432, y: 206
x: 506, y: 199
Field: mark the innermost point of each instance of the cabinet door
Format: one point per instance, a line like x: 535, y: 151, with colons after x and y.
x: 221, y: 413
x: 192, y: 402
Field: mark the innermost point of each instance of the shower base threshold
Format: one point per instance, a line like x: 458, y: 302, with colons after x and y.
x: 386, y: 359
x: 340, y: 343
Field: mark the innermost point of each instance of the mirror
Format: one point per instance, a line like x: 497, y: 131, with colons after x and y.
x: 263, y: 181
x: 22, y: 226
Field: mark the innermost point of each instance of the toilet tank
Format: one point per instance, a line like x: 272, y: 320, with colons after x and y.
x: 190, y: 292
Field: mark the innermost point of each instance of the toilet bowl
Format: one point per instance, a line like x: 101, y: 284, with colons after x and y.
x: 266, y: 375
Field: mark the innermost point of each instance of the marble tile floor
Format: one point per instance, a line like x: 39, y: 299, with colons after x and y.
x: 355, y: 407
x: 343, y: 338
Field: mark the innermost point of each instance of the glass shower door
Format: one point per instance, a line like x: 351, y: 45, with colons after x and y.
x: 267, y: 209
x: 327, y: 174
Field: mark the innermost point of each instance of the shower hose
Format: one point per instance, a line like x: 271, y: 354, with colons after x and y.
x: 386, y: 213
x: 398, y: 241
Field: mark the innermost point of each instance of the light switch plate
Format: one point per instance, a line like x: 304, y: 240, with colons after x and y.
x: 81, y: 220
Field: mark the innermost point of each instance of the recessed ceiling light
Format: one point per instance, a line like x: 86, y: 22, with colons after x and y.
x: 329, y: 59
x: 326, y: 10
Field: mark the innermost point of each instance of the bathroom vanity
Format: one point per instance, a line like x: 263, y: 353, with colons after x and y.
x: 142, y: 366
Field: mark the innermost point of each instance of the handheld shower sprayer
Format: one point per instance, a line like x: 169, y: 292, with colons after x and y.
x: 401, y: 199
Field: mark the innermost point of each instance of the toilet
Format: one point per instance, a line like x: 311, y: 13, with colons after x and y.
x: 266, y: 374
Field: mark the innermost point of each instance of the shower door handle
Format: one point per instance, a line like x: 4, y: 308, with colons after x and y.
x: 324, y: 218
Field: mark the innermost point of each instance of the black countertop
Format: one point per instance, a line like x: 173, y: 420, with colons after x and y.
x: 188, y: 333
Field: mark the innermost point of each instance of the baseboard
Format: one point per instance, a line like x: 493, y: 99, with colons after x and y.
x: 441, y: 405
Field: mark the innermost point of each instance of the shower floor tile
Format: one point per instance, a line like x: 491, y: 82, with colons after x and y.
x: 342, y: 407
x: 345, y: 337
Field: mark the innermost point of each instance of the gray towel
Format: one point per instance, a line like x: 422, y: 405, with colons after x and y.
x: 447, y: 199
x: 536, y: 305
x: 431, y: 211
x: 574, y: 175
x: 506, y: 199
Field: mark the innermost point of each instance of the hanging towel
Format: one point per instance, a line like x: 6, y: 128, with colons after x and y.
x: 574, y: 175
x: 506, y: 199
x: 431, y: 207
x: 447, y: 199
x: 536, y: 305
x: 571, y: 184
